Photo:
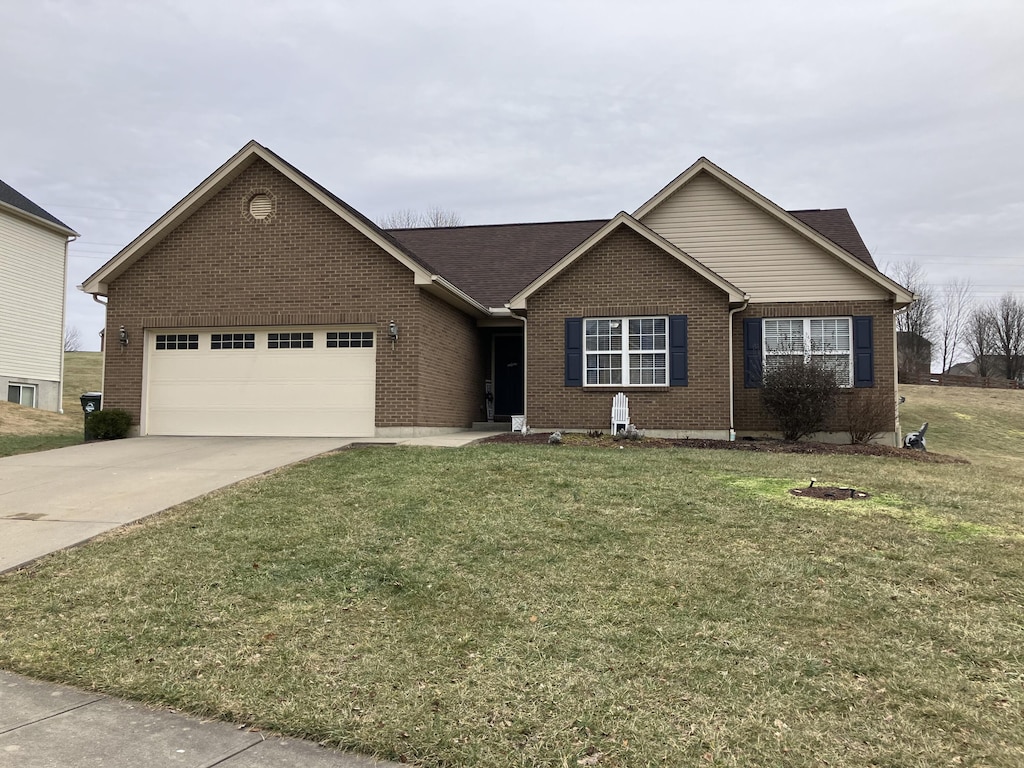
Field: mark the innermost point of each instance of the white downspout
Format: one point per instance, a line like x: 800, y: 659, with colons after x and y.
x: 63, y: 323
x: 732, y: 373
x: 526, y: 416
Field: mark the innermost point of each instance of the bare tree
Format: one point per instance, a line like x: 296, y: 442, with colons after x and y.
x: 441, y: 217
x: 72, y: 339
x: 979, y: 338
x: 915, y: 324
x: 1008, y: 327
x: 406, y: 218
x: 953, y: 310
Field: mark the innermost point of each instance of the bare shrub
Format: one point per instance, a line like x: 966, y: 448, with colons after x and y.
x: 870, y: 414
x: 800, y: 395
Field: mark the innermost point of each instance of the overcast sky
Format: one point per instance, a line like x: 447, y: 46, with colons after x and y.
x: 908, y: 113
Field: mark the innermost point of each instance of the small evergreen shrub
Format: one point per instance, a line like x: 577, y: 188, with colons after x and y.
x: 111, y: 424
x: 800, y: 395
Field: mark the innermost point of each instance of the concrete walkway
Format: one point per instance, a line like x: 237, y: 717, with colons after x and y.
x: 50, y: 726
x: 55, y: 499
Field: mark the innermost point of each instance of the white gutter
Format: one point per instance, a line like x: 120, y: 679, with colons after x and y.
x: 732, y: 373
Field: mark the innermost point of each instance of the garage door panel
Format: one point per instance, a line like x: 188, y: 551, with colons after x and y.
x: 274, y: 392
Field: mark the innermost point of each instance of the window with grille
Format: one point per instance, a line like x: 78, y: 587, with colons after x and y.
x: 232, y: 341
x: 290, y: 340
x: 825, y: 340
x: 626, y: 351
x: 347, y: 339
x: 177, y: 341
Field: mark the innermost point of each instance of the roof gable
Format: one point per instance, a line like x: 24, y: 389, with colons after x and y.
x: 12, y: 200
x: 623, y: 219
x: 97, y: 282
x: 835, y: 226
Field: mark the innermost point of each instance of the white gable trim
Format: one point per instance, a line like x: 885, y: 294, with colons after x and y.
x: 98, y: 282
x: 518, y: 302
x: 14, y: 210
x: 902, y: 296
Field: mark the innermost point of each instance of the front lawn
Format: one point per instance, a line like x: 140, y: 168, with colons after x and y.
x: 560, y: 606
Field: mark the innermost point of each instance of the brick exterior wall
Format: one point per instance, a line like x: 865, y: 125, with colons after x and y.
x: 302, y: 265
x: 626, y: 275
x: 750, y: 416
x: 451, y: 391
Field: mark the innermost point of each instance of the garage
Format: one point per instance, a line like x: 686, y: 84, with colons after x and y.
x: 290, y: 381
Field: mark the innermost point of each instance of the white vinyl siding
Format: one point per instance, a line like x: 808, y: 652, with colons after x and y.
x: 752, y: 249
x: 31, y: 300
x: 827, y: 340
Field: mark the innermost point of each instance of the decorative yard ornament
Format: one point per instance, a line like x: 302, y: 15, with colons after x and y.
x: 916, y: 439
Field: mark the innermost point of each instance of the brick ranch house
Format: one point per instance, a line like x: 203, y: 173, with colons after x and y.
x: 262, y: 304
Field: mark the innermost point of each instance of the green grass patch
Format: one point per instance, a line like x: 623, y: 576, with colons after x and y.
x: 508, y: 605
x: 11, y: 445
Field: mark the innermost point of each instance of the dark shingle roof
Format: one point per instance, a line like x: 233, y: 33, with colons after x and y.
x: 837, y: 226
x: 15, y: 199
x: 492, y: 263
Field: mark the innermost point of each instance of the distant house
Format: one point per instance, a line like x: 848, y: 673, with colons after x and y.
x: 263, y: 304
x: 33, y: 262
x: 913, y: 355
x: 992, y: 366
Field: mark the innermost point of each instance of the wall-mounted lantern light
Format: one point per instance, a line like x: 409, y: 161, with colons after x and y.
x: 122, y: 336
x: 393, y: 332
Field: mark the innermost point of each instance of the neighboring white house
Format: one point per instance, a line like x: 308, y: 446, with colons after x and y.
x: 33, y: 266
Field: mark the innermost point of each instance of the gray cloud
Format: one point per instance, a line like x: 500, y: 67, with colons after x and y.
x: 908, y: 113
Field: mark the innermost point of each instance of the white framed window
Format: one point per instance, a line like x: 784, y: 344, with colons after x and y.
x: 827, y: 340
x: 626, y: 351
x: 22, y: 394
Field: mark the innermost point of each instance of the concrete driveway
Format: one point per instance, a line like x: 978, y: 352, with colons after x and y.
x: 53, y: 499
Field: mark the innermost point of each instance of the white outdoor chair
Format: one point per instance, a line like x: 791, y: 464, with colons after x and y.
x: 620, y: 413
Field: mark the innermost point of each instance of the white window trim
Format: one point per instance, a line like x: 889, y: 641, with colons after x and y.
x: 624, y: 352
x: 21, y: 394
x: 808, y: 351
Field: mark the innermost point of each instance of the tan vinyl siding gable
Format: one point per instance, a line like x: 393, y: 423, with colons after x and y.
x: 753, y: 249
x: 31, y: 300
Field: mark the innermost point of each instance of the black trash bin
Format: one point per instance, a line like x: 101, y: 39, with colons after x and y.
x: 91, y: 402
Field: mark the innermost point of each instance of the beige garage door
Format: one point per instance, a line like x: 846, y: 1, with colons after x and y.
x: 303, y: 382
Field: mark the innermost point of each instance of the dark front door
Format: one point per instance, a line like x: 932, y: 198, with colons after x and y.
x: 508, y: 375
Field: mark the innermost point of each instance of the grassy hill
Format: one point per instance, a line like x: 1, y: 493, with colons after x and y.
x: 978, y: 424
x: 31, y: 429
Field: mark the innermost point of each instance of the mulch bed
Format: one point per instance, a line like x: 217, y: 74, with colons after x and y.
x: 572, y: 439
x: 830, y: 493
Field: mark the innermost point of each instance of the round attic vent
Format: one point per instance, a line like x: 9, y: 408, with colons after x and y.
x: 260, y: 206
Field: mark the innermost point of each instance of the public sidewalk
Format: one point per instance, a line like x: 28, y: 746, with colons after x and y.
x: 43, y: 725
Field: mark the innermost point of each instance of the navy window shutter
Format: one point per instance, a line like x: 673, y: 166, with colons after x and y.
x: 678, y: 362
x: 574, y: 351
x: 863, y: 352
x: 752, y: 357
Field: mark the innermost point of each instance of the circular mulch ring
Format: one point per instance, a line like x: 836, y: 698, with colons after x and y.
x: 830, y: 493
